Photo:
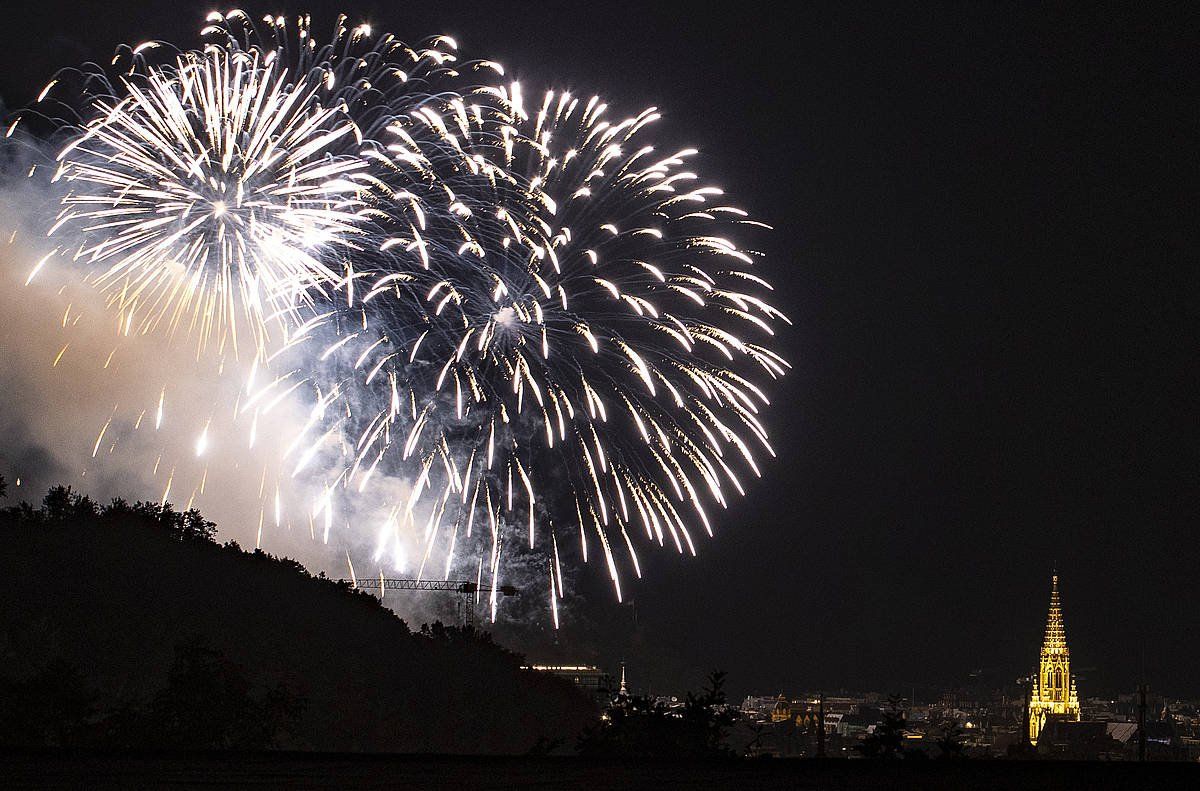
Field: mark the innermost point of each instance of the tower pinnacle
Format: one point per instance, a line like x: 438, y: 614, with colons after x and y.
x: 1056, y: 634
x: 1054, y: 692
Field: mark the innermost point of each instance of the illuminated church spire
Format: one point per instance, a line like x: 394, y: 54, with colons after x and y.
x: 1054, y: 693
x: 1056, y: 634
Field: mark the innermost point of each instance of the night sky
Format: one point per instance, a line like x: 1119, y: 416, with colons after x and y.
x: 986, y: 238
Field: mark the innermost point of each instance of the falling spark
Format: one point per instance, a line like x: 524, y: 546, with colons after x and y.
x: 522, y: 310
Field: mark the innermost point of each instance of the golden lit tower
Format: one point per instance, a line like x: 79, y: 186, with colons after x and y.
x: 1053, y: 693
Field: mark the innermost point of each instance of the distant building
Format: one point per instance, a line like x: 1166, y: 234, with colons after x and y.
x: 801, y: 712
x: 782, y: 710
x: 1080, y: 741
x: 758, y: 706
x: 1053, y: 695
x: 589, y: 678
x: 859, y: 723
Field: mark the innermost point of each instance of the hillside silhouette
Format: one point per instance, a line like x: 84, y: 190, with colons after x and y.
x: 129, y: 625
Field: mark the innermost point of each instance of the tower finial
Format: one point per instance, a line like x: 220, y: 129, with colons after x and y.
x: 1056, y: 633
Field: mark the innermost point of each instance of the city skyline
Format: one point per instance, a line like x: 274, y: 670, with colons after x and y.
x: 985, y: 240
x: 1041, y: 690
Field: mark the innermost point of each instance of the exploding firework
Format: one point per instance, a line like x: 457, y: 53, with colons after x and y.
x: 376, y: 78
x: 543, y: 327
x: 576, y: 354
x: 212, y: 190
x: 236, y: 186
x: 236, y: 182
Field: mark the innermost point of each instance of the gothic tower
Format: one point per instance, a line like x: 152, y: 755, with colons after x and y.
x: 1053, y: 692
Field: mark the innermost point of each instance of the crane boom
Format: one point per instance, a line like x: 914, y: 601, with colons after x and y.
x: 467, y: 591
x: 454, y: 586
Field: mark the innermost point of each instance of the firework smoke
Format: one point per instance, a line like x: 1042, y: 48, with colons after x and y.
x: 486, y: 338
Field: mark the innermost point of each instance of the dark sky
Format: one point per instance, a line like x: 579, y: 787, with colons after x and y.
x: 987, y: 238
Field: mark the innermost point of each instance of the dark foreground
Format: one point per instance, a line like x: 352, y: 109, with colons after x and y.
x: 306, y: 770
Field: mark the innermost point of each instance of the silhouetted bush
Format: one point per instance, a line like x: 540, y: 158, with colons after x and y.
x: 209, y: 703
x: 887, y: 740
x: 641, y: 727
x: 53, y: 707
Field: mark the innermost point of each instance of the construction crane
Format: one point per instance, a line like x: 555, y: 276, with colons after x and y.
x: 468, y: 591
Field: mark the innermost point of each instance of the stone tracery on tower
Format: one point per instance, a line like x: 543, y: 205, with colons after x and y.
x: 1053, y: 693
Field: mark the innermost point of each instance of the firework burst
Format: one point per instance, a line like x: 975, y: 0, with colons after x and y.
x: 576, y: 354
x: 234, y: 191
x: 213, y: 189
x: 235, y: 182
x: 547, y: 329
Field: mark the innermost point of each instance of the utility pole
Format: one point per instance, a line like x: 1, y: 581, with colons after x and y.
x: 1141, y: 722
x: 1026, y: 742
x: 821, y: 725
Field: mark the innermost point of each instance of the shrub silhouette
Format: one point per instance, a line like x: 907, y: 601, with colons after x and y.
x: 51, y: 708
x: 208, y: 703
x: 641, y: 727
x: 887, y: 741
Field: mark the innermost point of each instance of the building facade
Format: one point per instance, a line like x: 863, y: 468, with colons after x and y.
x: 1053, y: 693
x: 589, y: 678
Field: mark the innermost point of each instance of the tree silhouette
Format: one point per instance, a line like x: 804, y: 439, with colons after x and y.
x: 887, y: 741
x: 51, y: 708
x: 178, y: 641
x: 63, y: 505
x: 208, y: 703
x: 950, y: 739
x: 707, y: 715
x: 638, y: 726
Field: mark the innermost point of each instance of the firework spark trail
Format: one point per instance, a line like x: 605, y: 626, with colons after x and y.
x: 375, y: 77
x: 540, y: 324
x: 237, y: 179
x: 231, y: 188
x: 583, y: 325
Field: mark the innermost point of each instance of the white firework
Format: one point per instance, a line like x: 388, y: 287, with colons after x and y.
x: 213, y: 190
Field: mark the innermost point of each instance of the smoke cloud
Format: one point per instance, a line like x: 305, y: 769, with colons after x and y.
x: 91, y: 402
x: 116, y: 414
